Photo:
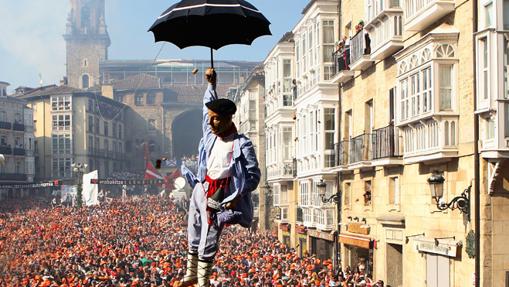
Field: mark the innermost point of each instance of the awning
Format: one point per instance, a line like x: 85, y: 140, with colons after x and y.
x: 355, y: 240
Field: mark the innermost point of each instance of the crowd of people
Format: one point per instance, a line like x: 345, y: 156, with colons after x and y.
x: 142, y: 242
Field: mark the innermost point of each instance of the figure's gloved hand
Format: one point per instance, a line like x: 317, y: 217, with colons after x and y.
x: 213, y: 204
x: 227, y: 216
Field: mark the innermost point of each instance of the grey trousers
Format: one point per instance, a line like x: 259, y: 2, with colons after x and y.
x: 203, y: 239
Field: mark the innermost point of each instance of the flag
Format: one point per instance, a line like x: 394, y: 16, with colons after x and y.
x: 151, y: 172
x: 90, y: 191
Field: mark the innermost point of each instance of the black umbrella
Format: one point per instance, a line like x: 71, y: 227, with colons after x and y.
x: 210, y: 23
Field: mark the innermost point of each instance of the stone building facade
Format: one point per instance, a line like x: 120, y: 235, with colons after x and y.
x: 75, y: 126
x: 16, y: 143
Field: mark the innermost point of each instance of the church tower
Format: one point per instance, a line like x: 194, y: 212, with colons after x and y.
x: 87, y: 42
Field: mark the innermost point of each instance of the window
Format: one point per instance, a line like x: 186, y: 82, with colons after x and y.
x: 506, y: 14
x: 138, y: 100
x: 61, y: 122
x: 328, y: 40
x: 106, y: 144
x: 61, y: 144
x: 91, y: 106
x: 84, y: 63
x: 85, y: 81
x: 369, y: 119
x: 287, y: 143
x: 404, y: 99
x: 329, y: 115
x: 394, y: 190
x: 415, y: 91
x: 61, y: 103
x: 90, y: 124
x: 61, y: 168
x: 367, y: 193
x: 484, y: 66
x: 347, y: 193
x: 90, y: 143
x: 106, y: 126
x: 445, y: 74
x: 3, y: 140
x: 488, y: 14
x: 427, y: 90
x: 114, y: 129
x: 97, y: 125
x: 490, y: 128
x: 506, y: 120
x: 119, y: 131
x: 151, y: 99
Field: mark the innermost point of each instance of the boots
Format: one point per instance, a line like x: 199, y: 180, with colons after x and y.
x: 204, y: 272
x: 192, y: 265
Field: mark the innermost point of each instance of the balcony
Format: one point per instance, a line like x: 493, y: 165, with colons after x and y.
x: 294, y: 165
x: 360, y: 51
x: 434, y: 140
x: 283, y: 170
x: 5, y: 125
x: 19, y: 151
x: 13, y: 177
x: 18, y: 127
x: 342, y: 72
x: 360, y: 150
x: 5, y: 150
x: 342, y: 153
x: 385, y: 146
x: 419, y: 14
x: 386, y: 32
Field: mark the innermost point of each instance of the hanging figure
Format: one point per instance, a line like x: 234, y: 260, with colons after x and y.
x: 227, y: 174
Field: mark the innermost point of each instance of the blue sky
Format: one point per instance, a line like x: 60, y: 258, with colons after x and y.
x: 32, y: 47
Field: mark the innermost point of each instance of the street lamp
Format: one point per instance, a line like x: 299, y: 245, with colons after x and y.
x: 78, y: 169
x: 334, y: 198
x: 322, y: 188
x: 461, y: 202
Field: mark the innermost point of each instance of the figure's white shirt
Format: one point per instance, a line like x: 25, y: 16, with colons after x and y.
x: 218, y: 163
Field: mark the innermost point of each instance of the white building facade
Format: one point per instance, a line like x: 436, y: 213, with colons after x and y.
x: 316, y: 105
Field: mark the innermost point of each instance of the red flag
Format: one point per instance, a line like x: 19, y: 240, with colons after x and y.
x: 151, y: 172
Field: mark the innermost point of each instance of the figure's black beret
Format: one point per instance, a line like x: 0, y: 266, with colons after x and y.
x: 222, y: 107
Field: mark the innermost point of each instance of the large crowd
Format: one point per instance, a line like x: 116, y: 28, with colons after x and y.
x: 142, y: 242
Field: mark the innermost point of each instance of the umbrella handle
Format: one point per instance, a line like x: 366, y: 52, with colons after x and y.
x: 212, y: 58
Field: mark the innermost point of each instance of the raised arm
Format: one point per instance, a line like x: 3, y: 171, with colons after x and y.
x: 210, y: 95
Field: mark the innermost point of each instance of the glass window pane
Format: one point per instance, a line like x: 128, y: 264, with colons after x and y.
x: 445, y: 74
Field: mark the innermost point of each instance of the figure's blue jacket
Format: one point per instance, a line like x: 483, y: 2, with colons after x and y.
x: 244, y: 167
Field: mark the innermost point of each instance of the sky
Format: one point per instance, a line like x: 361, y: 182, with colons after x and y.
x: 32, y: 47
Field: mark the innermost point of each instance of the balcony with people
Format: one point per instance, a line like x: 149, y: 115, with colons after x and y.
x: 384, y: 25
x: 360, y: 56
x: 342, y: 72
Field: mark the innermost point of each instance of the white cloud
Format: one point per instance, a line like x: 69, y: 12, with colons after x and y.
x: 32, y: 35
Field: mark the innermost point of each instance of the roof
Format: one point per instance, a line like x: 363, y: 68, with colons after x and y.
x: 287, y: 37
x: 46, y: 91
x: 4, y: 83
x: 138, y: 81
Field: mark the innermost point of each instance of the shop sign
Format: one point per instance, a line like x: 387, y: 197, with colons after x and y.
x: 300, y: 229
x: 322, y: 235
x: 449, y: 250
x: 285, y: 227
x: 355, y: 241
x: 358, y: 228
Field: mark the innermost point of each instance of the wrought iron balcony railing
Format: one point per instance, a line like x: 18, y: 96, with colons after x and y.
x: 386, y: 142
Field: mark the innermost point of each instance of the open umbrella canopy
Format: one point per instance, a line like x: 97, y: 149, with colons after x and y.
x: 210, y: 23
